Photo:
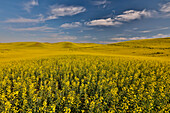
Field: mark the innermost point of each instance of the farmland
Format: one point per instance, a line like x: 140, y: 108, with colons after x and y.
x: 131, y: 76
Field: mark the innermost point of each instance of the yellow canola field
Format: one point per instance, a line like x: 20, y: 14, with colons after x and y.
x: 85, y: 83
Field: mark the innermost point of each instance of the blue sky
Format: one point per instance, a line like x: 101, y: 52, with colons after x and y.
x: 83, y: 21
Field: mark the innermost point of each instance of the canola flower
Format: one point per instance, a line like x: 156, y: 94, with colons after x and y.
x: 85, y: 84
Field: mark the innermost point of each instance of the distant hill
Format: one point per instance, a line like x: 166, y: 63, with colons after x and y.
x: 158, y: 47
x: 153, y: 43
x: 146, y: 43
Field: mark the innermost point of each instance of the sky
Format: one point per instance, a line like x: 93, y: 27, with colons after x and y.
x: 83, y: 21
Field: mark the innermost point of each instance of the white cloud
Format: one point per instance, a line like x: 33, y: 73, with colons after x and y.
x: 119, y: 39
x: 163, y: 28
x: 155, y: 36
x: 135, y: 28
x: 133, y: 15
x: 71, y: 25
x: 161, y: 36
x: 87, y: 36
x: 103, y: 22
x: 42, y: 28
x: 125, y: 17
x: 146, y: 31
x: 137, y: 38
x: 165, y: 8
x: 30, y: 4
x: 61, y: 10
x: 123, y: 38
x: 99, y: 2
x: 55, y: 12
x: 104, y: 3
x: 158, y: 29
x: 60, y: 38
x: 167, y: 15
x: 24, y: 20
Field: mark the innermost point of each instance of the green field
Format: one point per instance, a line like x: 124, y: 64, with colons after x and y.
x: 131, y: 76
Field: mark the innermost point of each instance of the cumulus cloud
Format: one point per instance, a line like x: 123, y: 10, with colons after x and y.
x: 133, y: 15
x: 103, y: 22
x: 71, y: 25
x: 30, y: 4
x: 119, y: 19
x: 42, y: 28
x: 165, y: 8
x: 62, y: 10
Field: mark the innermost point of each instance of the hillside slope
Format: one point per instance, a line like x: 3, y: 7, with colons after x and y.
x: 158, y: 47
x: 147, y: 43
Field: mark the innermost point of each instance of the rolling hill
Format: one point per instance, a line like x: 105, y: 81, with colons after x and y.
x: 158, y: 48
